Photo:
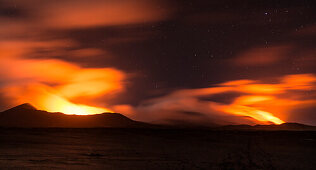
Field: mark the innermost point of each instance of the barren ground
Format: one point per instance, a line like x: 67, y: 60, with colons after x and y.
x: 155, y: 149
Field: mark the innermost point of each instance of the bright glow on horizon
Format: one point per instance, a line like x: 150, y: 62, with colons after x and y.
x: 54, y: 103
x: 259, y: 115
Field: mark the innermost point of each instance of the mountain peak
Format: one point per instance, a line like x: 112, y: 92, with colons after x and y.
x: 25, y: 116
x: 25, y: 106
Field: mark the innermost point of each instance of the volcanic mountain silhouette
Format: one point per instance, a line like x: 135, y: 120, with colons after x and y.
x: 272, y: 127
x: 27, y: 116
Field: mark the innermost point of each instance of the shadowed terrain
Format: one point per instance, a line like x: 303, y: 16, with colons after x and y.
x: 27, y: 116
x: 156, y: 149
x: 272, y: 127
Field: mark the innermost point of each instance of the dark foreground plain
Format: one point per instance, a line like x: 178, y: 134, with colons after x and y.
x: 155, y: 149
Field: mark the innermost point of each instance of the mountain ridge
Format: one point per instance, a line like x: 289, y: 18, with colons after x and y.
x: 26, y: 115
x: 290, y: 126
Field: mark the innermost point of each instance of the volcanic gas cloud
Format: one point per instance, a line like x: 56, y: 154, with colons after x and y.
x: 51, y: 84
x: 255, y: 102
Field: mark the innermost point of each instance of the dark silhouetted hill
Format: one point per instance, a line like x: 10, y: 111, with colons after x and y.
x: 27, y: 116
x: 272, y: 127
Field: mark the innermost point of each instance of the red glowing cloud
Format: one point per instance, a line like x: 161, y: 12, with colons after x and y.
x: 262, y: 56
x: 67, y: 14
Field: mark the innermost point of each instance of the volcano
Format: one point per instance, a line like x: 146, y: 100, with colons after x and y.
x: 27, y: 116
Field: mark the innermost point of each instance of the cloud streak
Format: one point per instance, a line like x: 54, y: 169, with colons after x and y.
x: 262, y: 56
x: 258, y: 102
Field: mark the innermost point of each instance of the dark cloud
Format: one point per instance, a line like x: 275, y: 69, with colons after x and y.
x: 226, y: 97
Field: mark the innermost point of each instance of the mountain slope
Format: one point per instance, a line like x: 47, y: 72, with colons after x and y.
x: 26, y: 115
x: 284, y: 126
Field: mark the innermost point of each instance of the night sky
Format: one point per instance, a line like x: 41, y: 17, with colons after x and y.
x: 164, y: 48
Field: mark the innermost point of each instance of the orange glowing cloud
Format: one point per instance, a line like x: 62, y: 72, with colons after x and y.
x: 258, y: 103
x: 52, y: 84
x: 261, y: 56
x: 70, y: 14
x: 86, y: 14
